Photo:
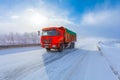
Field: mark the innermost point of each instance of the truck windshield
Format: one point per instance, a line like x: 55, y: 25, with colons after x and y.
x: 49, y: 33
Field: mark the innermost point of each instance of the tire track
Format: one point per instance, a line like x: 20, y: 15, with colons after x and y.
x: 74, y: 68
x: 57, y: 58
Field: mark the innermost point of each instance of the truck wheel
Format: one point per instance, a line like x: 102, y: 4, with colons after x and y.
x: 73, y: 45
x: 61, y: 48
x: 47, y: 49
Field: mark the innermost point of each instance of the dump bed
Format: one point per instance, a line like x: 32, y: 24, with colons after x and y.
x: 70, y: 36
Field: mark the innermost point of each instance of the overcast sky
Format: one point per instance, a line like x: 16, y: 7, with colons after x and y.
x: 93, y: 18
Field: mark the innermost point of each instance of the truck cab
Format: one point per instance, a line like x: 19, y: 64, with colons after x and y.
x: 52, y: 38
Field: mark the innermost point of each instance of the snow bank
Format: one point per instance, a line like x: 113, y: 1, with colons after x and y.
x: 88, y: 43
x: 111, y: 51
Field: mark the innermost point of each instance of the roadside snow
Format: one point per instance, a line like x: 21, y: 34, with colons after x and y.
x: 111, y: 51
x: 17, y: 50
x: 14, y: 65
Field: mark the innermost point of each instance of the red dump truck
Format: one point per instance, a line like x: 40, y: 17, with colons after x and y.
x: 57, y: 38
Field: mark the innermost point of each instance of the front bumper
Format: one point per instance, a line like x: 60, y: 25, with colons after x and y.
x: 51, y: 46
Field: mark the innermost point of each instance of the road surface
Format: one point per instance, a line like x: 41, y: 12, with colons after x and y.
x: 82, y: 63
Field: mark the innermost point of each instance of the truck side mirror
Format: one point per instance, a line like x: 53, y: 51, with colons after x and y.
x: 38, y: 33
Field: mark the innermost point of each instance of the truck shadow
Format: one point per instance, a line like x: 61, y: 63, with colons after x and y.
x: 53, y: 57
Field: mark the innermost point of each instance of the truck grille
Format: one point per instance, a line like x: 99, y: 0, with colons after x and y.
x: 47, y: 40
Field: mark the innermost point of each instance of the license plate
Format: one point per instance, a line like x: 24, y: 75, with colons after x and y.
x: 46, y: 46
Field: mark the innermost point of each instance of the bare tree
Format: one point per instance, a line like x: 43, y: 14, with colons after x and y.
x: 17, y: 38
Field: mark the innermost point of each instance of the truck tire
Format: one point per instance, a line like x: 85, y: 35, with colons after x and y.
x: 47, y: 49
x: 72, y: 45
x: 61, y: 48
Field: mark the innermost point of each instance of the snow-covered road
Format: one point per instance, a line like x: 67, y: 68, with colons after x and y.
x: 82, y: 63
